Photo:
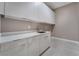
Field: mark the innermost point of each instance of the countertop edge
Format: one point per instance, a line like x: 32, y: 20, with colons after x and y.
x: 19, y: 36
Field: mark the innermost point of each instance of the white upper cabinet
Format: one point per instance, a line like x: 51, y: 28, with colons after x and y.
x: 44, y: 13
x: 1, y: 7
x: 34, y: 11
x: 20, y: 9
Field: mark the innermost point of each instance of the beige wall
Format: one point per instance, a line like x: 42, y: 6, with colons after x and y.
x: 67, y: 22
x: 12, y: 25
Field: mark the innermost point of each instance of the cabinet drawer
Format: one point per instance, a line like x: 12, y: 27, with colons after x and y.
x: 13, y: 52
x: 12, y: 44
x: 44, y: 43
x: 33, y: 49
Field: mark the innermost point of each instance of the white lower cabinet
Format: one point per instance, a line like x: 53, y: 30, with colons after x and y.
x: 24, y: 50
x: 44, y: 43
x: 32, y: 46
x: 14, y: 48
x: 13, y: 52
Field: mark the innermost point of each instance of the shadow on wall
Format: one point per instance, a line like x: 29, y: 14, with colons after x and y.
x: 45, y: 27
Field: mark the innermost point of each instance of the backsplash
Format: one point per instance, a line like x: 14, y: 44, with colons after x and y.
x: 12, y: 25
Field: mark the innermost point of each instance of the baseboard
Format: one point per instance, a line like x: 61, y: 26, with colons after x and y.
x: 67, y: 40
x: 0, y: 34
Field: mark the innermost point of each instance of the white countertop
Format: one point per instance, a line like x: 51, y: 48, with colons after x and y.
x: 8, y: 38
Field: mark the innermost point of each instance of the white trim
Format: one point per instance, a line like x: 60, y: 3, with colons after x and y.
x: 18, y: 18
x: 21, y: 35
x: 0, y: 34
x: 26, y: 19
x: 67, y: 40
x: 14, y: 33
x: 17, y: 37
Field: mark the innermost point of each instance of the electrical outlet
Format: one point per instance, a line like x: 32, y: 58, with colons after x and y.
x: 29, y: 27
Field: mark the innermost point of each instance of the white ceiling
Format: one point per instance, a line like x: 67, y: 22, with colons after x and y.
x: 55, y: 5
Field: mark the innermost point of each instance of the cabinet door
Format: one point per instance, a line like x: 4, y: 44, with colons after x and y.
x: 14, y: 48
x: 24, y: 49
x: 14, y: 9
x: 45, y: 14
x: 1, y: 7
x: 13, y: 52
x: 30, y: 10
x: 25, y: 10
x: 44, y: 43
x: 33, y: 46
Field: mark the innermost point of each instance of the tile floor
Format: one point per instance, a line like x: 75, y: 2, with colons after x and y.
x: 62, y: 48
